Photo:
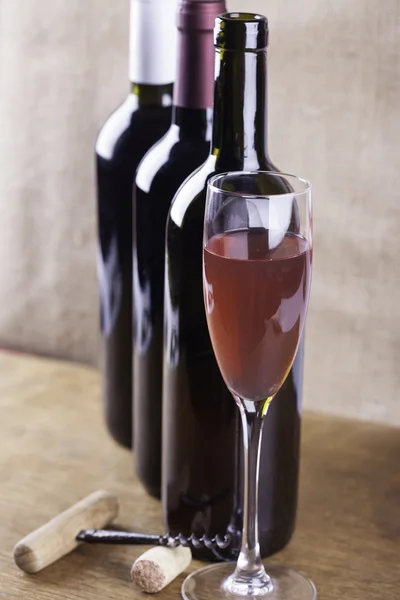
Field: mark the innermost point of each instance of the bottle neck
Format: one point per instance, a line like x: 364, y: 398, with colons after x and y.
x: 152, y: 95
x: 239, y: 139
x: 193, y: 123
x: 153, y: 42
x: 194, y: 84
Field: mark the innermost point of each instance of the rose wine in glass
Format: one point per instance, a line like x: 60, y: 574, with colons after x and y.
x: 257, y: 265
x: 256, y: 305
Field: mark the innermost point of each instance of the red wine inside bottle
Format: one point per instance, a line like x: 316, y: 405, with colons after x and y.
x: 256, y: 302
x: 161, y: 172
x: 130, y: 131
x: 202, y: 474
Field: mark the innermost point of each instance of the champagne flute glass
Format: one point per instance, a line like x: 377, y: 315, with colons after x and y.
x: 257, y: 262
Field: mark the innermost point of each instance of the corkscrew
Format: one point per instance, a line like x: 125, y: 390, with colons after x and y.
x: 107, y: 536
x: 84, y: 522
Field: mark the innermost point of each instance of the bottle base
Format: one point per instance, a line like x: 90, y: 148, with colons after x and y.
x: 154, y: 492
x: 151, y: 488
x: 123, y: 439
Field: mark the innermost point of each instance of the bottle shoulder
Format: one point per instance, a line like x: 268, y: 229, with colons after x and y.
x: 170, y: 161
x: 191, y: 191
x: 155, y: 158
x: 116, y: 124
x: 127, y: 123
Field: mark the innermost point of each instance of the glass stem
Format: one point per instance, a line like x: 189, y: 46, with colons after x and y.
x: 250, y: 577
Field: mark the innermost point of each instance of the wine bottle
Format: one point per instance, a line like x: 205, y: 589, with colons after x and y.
x: 202, y: 482
x: 164, y: 168
x: 141, y: 120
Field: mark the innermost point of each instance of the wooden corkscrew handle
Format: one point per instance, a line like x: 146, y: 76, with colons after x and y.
x: 57, y: 538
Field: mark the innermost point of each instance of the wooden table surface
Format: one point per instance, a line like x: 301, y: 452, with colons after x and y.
x: 54, y: 450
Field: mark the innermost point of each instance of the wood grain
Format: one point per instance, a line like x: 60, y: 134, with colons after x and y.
x: 54, y: 450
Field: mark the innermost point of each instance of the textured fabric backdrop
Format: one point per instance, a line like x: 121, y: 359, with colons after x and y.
x: 334, y: 117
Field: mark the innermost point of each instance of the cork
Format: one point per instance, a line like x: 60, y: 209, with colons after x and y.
x: 157, y: 567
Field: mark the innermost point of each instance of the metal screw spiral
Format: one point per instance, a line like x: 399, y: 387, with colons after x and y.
x: 217, y: 542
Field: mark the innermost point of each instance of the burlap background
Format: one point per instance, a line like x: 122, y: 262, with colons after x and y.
x: 334, y: 117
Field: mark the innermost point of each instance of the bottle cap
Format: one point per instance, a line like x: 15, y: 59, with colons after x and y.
x: 199, y: 14
x: 153, y: 42
x: 194, y: 87
x: 241, y: 31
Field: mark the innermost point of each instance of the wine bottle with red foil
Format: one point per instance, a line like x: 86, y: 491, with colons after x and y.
x: 161, y: 172
x: 202, y: 488
x: 141, y: 120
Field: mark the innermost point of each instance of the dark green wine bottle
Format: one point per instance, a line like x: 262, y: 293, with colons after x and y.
x: 202, y: 486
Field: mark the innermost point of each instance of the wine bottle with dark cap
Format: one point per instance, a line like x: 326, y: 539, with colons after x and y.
x: 161, y: 172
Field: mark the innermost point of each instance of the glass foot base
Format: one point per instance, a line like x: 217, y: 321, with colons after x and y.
x: 213, y: 583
